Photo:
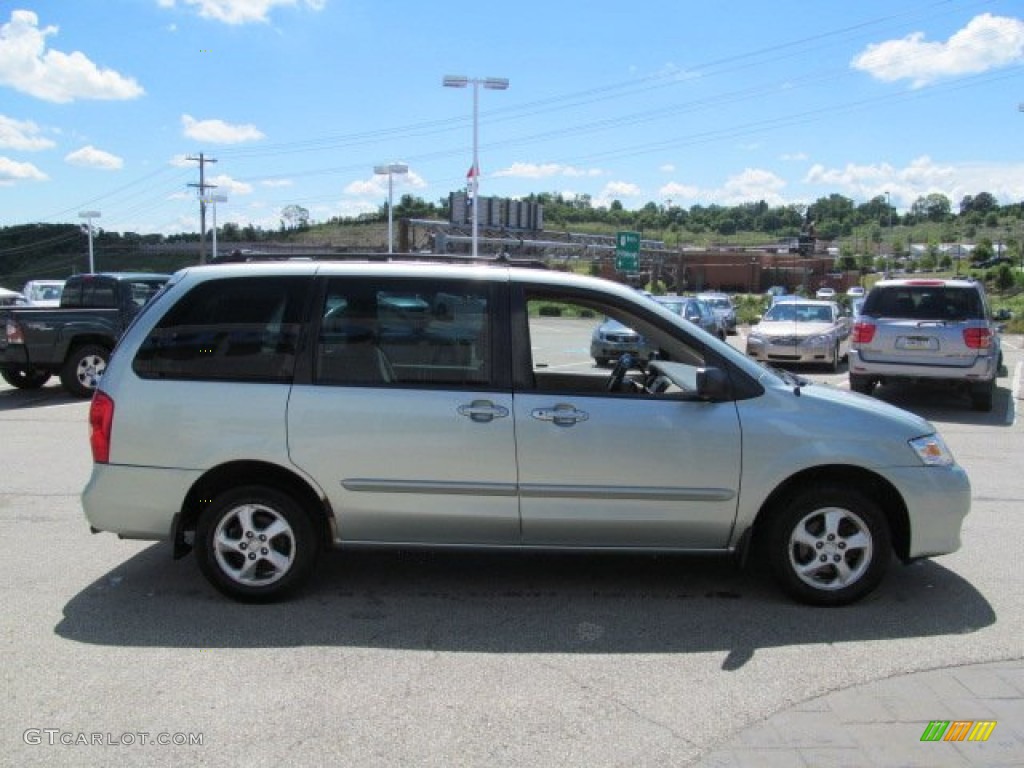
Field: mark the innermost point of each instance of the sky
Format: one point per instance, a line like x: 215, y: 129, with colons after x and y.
x: 105, y: 104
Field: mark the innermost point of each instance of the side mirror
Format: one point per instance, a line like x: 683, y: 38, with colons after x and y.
x: 713, y: 384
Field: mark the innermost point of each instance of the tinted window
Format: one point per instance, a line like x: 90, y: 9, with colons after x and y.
x: 244, y: 329
x: 405, y: 332
x: 924, y: 302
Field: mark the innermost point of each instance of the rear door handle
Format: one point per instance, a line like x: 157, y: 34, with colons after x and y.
x: 483, y: 411
x: 562, y: 415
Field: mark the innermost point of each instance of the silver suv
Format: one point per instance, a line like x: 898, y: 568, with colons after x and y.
x: 926, y: 329
x: 259, y: 413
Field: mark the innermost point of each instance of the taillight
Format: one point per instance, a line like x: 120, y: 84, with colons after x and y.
x: 863, y: 333
x: 978, y: 338
x: 101, y: 422
x: 14, y: 333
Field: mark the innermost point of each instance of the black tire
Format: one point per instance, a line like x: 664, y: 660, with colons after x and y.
x: 25, y: 379
x: 836, y: 359
x: 829, y: 546
x: 863, y: 384
x: 256, y: 544
x: 84, y: 368
x: 981, y: 396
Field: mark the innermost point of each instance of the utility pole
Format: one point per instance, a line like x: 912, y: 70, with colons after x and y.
x: 203, y: 186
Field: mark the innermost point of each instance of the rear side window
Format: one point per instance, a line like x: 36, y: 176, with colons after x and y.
x: 924, y: 302
x: 242, y: 329
x: 421, y: 333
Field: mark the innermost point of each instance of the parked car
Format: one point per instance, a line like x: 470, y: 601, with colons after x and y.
x: 74, y: 340
x: 826, y: 293
x: 927, y: 330
x: 43, y: 293
x: 855, y: 291
x: 801, y: 331
x: 723, y: 308
x: 287, y: 423
x: 697, y: 311
x: 611, y: 340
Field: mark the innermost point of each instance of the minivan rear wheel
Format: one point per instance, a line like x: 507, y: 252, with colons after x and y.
x: 829, y: 546
x: 256, y: 544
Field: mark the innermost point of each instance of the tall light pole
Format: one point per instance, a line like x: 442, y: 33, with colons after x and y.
x: 89, y: 216
x: 212, y: 200
x: 391, y: 169
x: 493, y: 84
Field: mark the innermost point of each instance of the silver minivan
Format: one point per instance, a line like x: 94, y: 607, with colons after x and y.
x: 258, y: 413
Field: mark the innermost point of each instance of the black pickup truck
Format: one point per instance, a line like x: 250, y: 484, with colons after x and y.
x: 75, y: 340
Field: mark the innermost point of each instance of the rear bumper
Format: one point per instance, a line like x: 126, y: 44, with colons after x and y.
x: 983, y: 369
x: 134, y: 502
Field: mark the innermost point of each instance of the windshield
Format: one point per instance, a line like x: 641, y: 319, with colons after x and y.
x: 718, y: 302
x: 799, y: 313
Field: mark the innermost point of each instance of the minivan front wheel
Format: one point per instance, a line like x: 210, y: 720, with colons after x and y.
x: 255, y: 544
x: 829, y: 546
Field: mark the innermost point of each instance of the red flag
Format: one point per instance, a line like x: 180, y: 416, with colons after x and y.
x: 472, y: 172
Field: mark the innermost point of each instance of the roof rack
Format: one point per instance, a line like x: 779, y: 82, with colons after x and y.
x: 502, y: 259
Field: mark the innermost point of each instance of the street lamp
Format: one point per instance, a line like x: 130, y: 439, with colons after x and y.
x: 493, y: 84
x: 89, y: 216
x: 391, y: 169
x: 212, y: 200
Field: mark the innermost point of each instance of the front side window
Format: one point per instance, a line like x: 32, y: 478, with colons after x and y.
x: 576, y: 339
x: 431, y: 333
x: 240, y: 329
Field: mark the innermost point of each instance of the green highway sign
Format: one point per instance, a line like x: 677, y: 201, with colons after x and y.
x: 627, y: 251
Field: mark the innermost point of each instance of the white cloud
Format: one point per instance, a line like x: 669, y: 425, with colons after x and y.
x: 921, y: 177
x: 227, y: 186
x: 545, y: 171
x: 667, y: 168
x: 22, y: 135
x: 987, y: 42
x: 620, y: 189
x: 751, y: 185
x: 678, y: 192
x: 241, y: 11
x: 27, y: 66
x: 219, y: 132
x: 90, y: 157
x: 376, y: 185
x: 798, y: 157
x: 12, y: 171
x: 272, y: 183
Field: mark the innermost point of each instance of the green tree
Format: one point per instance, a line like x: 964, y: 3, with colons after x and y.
x: 294, y: 217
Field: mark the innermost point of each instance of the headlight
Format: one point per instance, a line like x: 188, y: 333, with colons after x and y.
x: 756, y: 337
x: 816, y: 341
x: 932, y: 450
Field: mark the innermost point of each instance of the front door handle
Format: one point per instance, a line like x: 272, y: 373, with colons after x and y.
x: 563, y: 415
x: 483, y: 411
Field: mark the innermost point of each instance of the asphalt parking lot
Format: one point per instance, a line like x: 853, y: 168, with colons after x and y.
x: 111, y: 647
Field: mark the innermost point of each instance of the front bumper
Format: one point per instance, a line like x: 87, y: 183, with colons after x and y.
x: 938, y: 499
x: 769, y: 350
x: 610, y: 350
